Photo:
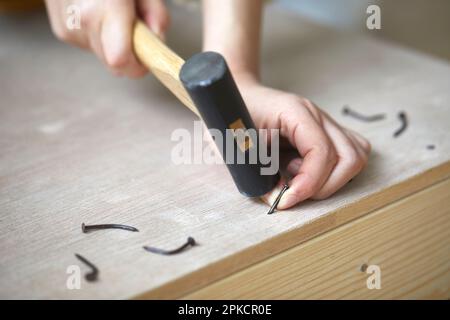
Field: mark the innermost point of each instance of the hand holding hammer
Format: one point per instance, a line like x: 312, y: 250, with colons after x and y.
x: 328, y: 154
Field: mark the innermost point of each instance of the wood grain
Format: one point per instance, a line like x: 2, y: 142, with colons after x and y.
x: 409, y: 241
x: 78, y: 145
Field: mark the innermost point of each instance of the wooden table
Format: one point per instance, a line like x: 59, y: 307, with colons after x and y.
x: 78, y: 145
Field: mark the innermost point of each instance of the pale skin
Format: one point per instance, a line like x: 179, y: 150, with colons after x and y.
x: 329, y: 155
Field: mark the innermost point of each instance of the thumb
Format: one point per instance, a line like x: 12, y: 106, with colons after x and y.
x: 155, y: 15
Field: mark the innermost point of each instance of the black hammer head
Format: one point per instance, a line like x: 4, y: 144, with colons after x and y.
x: 208, y: 80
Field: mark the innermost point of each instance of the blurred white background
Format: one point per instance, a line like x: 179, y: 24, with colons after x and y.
x: 420, y: 24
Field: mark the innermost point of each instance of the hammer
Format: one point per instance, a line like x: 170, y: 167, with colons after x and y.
x: 205, y: 85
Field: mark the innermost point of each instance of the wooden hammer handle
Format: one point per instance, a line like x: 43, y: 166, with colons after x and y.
x: 162, y: 61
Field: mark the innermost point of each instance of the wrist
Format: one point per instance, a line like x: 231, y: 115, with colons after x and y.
x: 244, y: 78
x: 244, y: 68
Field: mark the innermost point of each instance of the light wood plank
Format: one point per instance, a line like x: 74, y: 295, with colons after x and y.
x: 78, y: 145
x: 409, y: 240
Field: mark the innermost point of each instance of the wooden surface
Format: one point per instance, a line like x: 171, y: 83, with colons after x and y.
x: 409, y: 241
x: 78, y: 145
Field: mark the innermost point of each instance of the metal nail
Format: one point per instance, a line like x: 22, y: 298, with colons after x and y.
x: 189, y: 243
x: 277, y: 200
x: 404, y: 124
x: 359, y: 116
x: 86, y: 228
x: 93, y: 274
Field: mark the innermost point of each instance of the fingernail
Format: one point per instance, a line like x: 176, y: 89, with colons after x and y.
x: 287, y: 200
x: 271, y: 197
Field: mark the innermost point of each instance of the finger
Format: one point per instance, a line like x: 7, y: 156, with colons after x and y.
x: 116, y: 38
x: 56, y: 13
x: 351, y: 138
x: 359, y: 140
x: 94, y: 27
x: 359, y: 143
x: 155, y: 15
x: 270, y: 197
x: 292, y: 169
x: 363, y: 142
x: 319, y: 157
x: 350, y: 161
x: 363, y: 153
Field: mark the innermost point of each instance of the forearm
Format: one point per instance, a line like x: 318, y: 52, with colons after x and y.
x: 232, y: 28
